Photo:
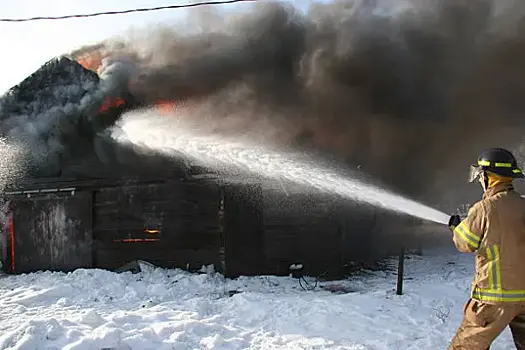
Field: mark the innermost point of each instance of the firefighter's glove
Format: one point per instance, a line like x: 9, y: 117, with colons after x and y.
x: 454, y: 221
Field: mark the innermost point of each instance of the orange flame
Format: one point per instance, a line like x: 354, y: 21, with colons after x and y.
x: 11, y: 230
x: 165, y: 107
x: 111, y: 102
x: 151, y: 231
x: 91, y: 61
x: 136, y: 240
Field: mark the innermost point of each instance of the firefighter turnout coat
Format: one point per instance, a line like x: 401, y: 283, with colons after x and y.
x: 495, y: 230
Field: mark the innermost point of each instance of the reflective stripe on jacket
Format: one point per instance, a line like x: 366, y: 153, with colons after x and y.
x: 495, y: 230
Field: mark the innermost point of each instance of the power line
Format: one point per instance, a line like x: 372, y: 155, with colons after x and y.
x: 147, y: 9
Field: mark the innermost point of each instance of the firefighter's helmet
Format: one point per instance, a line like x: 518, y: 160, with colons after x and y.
x: 498, y: 161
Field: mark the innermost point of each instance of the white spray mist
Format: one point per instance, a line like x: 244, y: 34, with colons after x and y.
x: 170, y: 136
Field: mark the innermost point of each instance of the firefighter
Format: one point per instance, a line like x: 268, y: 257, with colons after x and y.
x: 494, y: 230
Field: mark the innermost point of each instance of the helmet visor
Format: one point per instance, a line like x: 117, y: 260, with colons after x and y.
x: 475, y: 172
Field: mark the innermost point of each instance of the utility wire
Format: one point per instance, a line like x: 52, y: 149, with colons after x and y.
x: 148, y: 9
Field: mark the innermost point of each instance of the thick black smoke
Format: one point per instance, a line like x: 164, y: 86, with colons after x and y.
x: 411, y: 97
x: 51, y: 111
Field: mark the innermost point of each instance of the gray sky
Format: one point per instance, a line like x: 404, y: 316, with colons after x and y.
x: 27, y: 45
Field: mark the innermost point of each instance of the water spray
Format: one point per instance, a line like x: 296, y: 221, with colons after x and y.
x: 171, y: 137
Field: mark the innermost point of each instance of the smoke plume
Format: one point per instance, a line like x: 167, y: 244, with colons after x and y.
x: 411, y: 95
x: 409, y: 92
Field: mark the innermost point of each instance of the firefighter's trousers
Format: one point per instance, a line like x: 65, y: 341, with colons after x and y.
x: 482, y: 323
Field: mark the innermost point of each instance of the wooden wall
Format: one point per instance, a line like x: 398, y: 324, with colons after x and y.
x: 328, y: 235
x: 242, y: 229
x: 171, y: 224
x: 300, y: 228
x: 52, y: 231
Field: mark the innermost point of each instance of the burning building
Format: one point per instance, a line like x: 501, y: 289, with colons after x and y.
x: 410, y: 97
x: 85, y: 201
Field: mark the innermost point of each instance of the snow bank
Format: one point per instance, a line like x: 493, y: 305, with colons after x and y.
x: 172, y: 309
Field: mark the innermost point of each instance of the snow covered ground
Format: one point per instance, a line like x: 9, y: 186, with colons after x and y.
x: 169, y: 309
